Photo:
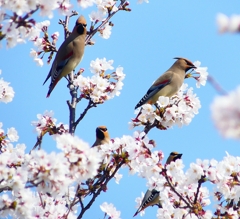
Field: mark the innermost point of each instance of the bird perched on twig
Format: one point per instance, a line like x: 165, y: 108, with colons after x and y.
x: 69, y: 54
x: 168, y: 83
x: 152, y: 197
x: 102, y: 136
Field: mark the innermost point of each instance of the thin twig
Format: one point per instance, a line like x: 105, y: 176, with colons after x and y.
x: 72, y: 203
x: 89, y: 106
x: 200, y: 181
x: 93, y: 32
x: 22, y: 22
x: 216, y: 85
x: 99, y: 191
x: 38, y: 143
x: 174, y: 190
x: 150, y: 126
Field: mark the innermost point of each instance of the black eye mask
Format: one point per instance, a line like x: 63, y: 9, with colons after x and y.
x: 80, y: 28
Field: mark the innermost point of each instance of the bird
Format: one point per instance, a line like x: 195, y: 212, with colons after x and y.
x: 168, y: 83
x: 152, y: 197
x: 69, y: 54
x: 102, y: 136
x: 173, y: 157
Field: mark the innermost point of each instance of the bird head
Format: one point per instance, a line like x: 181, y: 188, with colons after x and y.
x: 173, y: 157
x: 80, y: 26
x: 176, y: 155
x: 184, y: 63
x: 102, y: 132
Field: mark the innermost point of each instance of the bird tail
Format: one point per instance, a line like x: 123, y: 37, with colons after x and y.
x: 136, y: 213
x: 142, y: 101
x: 51, y: 87
x: 49, y: 75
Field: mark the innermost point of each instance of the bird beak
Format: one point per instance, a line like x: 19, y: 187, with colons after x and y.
x: 191, y: 66
x: 179, y: 156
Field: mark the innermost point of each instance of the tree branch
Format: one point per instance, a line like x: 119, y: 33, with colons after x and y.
x: 94, y: 31
x: 200, y: 182
x: 175, y: 191
x: 150, y: 126
x: 99, y: 190
x: 216, y: 86
x: 89, y: 106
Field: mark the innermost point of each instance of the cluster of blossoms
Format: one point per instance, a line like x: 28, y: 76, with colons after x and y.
x: 228, y: 24
x: 6, y: 91
x: 53, y: 175
x: 183, y: 195
x: 105, y: 8
x: 43, y: 44
x: 19, y: 27
x: 226, y: 114
x: 46, y: 123
x: 100, y: 87
x: 110, y: 210
x: 61, y: 178
x: 5, y: 139
x: 29, y: 204
x: 179, y: 109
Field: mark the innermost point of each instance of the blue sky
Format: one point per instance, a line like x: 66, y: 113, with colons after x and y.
x: 144, y: 42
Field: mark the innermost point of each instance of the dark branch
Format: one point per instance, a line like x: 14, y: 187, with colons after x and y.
x: 200, y: 182
x: 94, y: 31
x: 89, y: 106
x: 216, y: 86
x: 99, y: 190
x: 150, y: 126
x: 174, y: 190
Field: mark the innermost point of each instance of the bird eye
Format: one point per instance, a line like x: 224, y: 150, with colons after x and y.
x: 104, y: 129
x: 84, y: 25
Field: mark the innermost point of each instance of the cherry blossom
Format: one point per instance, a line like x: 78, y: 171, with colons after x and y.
x: 228, y: 24
x: 99, y: 87
x: 110, y: 210
x: 6, y: 91
x: 105, y: 32
x: 226, y: 114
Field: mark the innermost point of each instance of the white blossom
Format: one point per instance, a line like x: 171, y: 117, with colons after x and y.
x: 110, y: 210
x: 6, y: 91
x: 226, y: 114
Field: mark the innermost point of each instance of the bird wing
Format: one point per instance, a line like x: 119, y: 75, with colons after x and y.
x: 56, y: 71
x: 147, y: 200
x: 159, y: 84
x: 61, y: 58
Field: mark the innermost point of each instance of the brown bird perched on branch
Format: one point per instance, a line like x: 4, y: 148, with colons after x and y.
x: 168, y: 83
x: 102, y: 136
x: 69, y: 54
x: 152, y: 197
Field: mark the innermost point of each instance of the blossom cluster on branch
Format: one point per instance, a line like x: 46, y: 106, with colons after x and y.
x: 59, y: 182
x: 183, y: 195
x: 101, y: 86
x: 66, y: 184
x: 6, y: 91
x: 226, y: 114
x: 228, y: 24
